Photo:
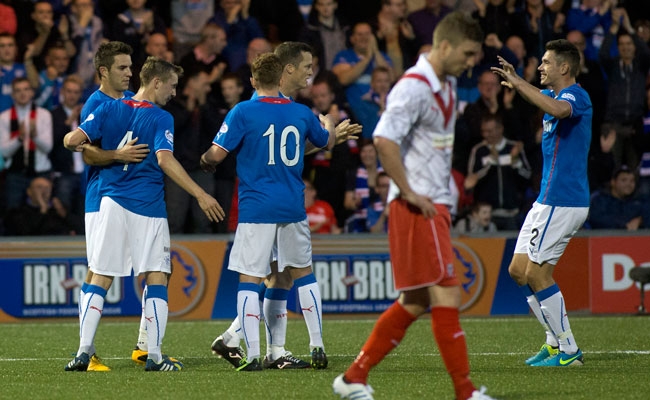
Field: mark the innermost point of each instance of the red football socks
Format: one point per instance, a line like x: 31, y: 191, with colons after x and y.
x: 386, y: 335
x: 453, y: 348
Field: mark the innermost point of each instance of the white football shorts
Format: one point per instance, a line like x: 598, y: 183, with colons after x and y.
x: 253, y: 248
x: 122, y: 238
x: 547, y: 230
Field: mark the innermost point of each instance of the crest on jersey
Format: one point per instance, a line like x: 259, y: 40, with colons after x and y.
x: 90, y: 117
x: 169, y: 136
x: 224, y: 128
x: 568, y: 96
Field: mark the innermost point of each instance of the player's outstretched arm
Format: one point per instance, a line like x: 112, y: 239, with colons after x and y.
x: 173, y: 169
x: 344, y: 131
x: 129, y: 153
x: 557, y: 108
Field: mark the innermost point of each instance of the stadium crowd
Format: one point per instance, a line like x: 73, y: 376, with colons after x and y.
x: 361, y: 47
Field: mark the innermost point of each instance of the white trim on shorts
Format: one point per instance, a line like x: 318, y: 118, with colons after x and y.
x: 254, y: 244
x: 124, y: 240
x: 547, y: 230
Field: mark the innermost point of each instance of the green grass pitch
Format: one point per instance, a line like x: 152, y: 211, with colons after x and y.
x: 616, y: 348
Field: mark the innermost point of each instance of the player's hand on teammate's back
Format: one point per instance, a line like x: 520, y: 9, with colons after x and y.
x: 131, y: 152
x: 211, y: 207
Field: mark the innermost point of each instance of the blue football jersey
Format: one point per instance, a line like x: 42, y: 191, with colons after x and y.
x: 565, y: 148
x: 269, y: 134
x: 91, y: 172
x: 138, y: 187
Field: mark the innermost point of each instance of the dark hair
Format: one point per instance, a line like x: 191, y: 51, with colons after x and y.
x: 105, y: 56
x: 155, y: 67
x: 623, y: 169
x: 291, y: 52
x: 566, y: 52
x: 267, y: 70
x: 233, y: 77
x: 456, y: 27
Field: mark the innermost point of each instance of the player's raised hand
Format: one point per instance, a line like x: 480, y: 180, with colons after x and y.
x: 346, y: 131
x: 131, y: 152
x: 506, y: 72
x: 211, y: 207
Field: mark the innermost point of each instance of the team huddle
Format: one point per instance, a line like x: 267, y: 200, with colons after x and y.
x: 127, y: 143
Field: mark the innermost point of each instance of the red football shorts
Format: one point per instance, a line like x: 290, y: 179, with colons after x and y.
x: 420, y: 248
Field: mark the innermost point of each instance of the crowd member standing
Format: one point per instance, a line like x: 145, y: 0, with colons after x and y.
x: 132, y: 209
x: 563, y: 202
x: 414, y: 138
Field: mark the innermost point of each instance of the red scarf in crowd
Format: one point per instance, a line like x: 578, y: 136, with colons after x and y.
x: 18, y: 163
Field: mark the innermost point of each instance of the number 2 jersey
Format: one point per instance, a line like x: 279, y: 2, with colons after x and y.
x: 138, y: 187
x: 268, y: 134
x: 565, y: 148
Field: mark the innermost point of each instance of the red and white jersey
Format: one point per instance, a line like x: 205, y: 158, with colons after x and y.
x: 420, y: 116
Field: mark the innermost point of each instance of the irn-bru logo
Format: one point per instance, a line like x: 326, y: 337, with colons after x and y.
x: 469, y: 270
x: 187, y: 282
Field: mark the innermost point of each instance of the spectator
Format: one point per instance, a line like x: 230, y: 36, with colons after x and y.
x: 325, y: 32
x: 626, y: 87
x: 424, y: 20
x: 40, y: 32
x: 67, y: 166
x: 479, y: 220
x: 536, y: 24
x: 134, y: 26
x: 41, y: 214
x: 191, y: 138
x: 498, y: 173
x: 327, y: 169
x: 491, y: 102
x: 353, y: 66
x: 280, y: 20
x: 207, y: 55
x: 8, y: 22
x: 395, y: 35
x: 487, y: 58
x: 50, y: 79
x: 360, y: 182
x: 495, y: 16
x: 156, y: 46
x: 25, y: 141
x: 232, y: 91
x: 233, y: 16
x: 525, y: 66
x: 373, y: 103
x: 256, y: 47
x: 320, y: 213
x: 9, y: 69
x: 87, y: 34
x: 593, y: 18
x: 601, y: 159
x: 188, y: 20
x: 378, y: 210
x: 592, y: 79
x: 642, y: 28
x: 616, y: 207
